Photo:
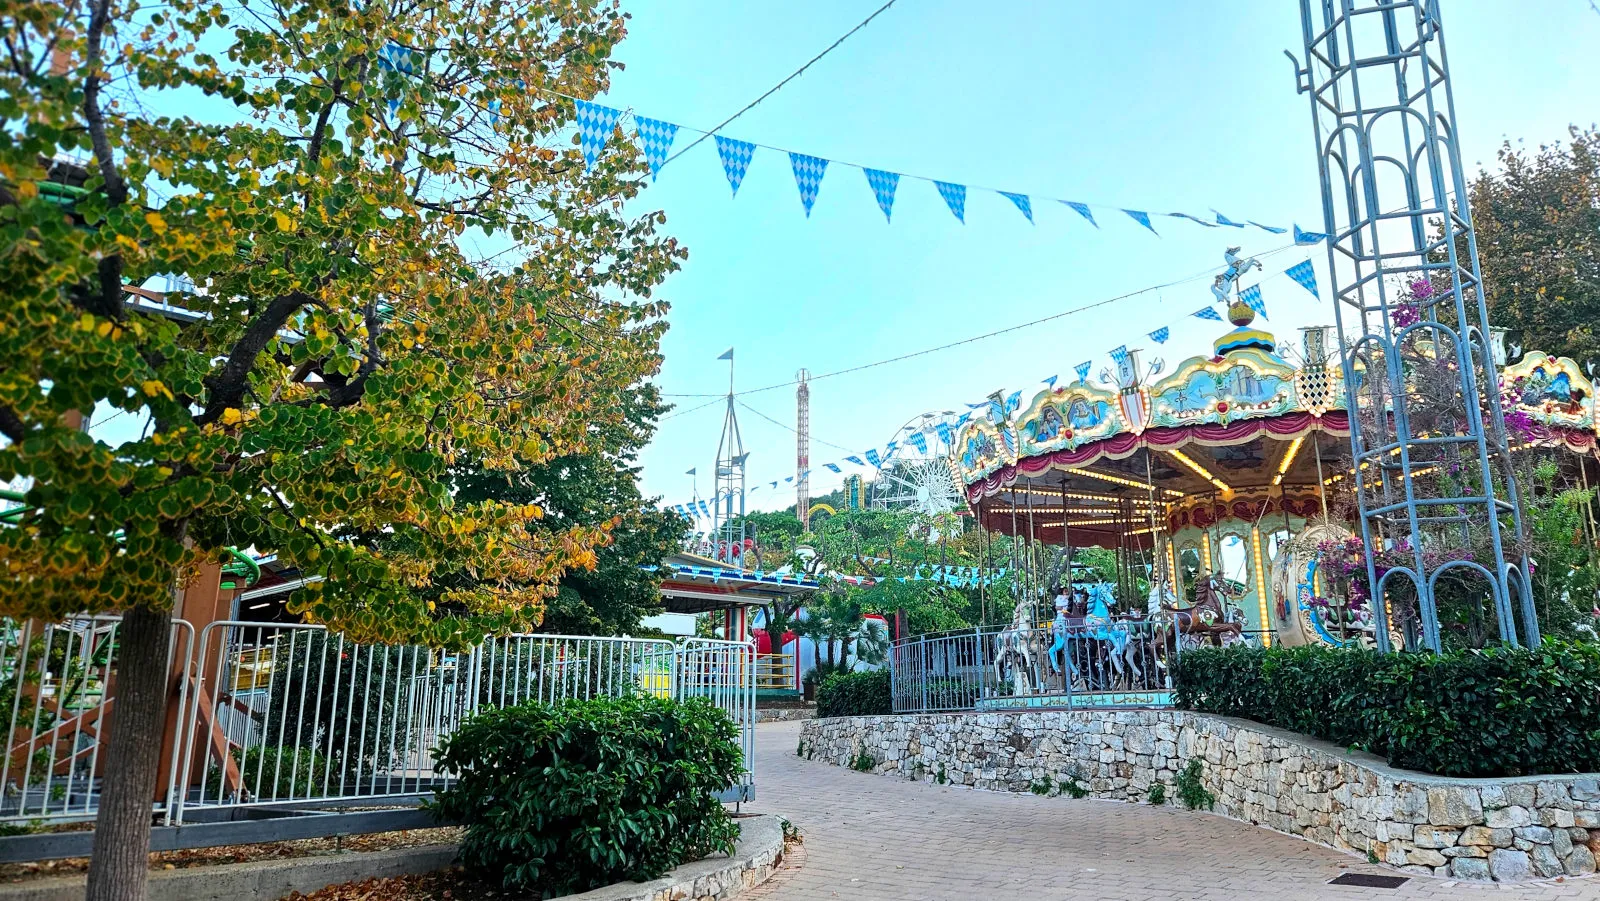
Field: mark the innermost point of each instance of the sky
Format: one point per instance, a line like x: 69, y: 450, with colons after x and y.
x: 1160, y: 105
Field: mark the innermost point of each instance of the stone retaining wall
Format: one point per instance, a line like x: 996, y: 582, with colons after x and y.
x: 784, y: 714
x: 1500, y: 829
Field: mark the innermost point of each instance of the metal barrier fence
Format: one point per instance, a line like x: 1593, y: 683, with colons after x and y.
x: 280, y: 716
x: 1121, y: 663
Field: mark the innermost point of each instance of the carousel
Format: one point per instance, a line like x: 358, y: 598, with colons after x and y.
x: 1214, y: 485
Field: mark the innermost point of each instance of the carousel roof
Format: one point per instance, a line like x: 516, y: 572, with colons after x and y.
x: 1237, y: 433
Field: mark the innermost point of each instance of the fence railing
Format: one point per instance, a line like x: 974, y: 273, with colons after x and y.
x: 269, y: 715
x: 776, y: 672
x: 1121, y: 663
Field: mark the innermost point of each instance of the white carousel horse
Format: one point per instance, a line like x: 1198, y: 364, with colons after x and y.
x: 1013, y: 650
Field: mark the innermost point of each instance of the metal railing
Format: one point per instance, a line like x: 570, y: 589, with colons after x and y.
x: 775, y: 672
x: 1120, y: 663
x: 269, y: 715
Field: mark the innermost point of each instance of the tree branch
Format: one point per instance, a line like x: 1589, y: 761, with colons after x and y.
x: 227, y: 385
x: 109, y: 301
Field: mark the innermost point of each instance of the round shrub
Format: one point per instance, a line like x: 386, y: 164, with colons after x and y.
x: 866, y: 693
x: 567, y: 797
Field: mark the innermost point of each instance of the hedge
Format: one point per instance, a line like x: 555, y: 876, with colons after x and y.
x: 1495, y: 712
x: 568, y: 797
x: 866, y: 693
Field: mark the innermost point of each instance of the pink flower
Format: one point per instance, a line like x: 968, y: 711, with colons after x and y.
x: 1421, y: 289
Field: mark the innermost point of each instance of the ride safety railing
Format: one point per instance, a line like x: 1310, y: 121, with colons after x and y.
x: 1109, y: 664
x: 294, y: 716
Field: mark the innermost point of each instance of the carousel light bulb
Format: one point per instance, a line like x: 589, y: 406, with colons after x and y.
x: 1119, y: 480
x: 1261, y: 584
x: 1288, y: 459
x: 1201, y: 471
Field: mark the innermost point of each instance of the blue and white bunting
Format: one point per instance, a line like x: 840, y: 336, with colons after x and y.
x: 1207, y: 313
x: 736, y: 156
x: 832, y: 467
x: 1143, y: 219
x: 1161, y: 335
x: 873, y: 458
x: 1269, y: 228
x: 955, y: 197
x: 1224, y: 220
x: 978, y: 406
x: 788, y: 478
x: 1303, y: 274
x: 1051, y: 381
x: 655, y: 136
x: 883, y: 186
x: 1195, y: 219
x: 1013, y: 401
x: 595, y: 125
x: 1251, y: 297
x: 1083, y: 370
x: 854, y: 459
x: 396, y: 58
x: 1120, y: 353
x: 918, y: 442
x: 1083, y: 210
x: 1021, y: 200
x: 808, y: 172
x: 1305, y: 237
x: 944, y: 432
x: 774, y: 484
x: 963, y: 417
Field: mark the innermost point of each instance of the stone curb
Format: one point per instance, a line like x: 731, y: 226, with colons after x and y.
x: 755, y: 855
x: 784, y: 714
x: 266, y: 880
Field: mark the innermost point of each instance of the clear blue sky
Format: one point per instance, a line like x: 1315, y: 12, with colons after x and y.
x: 1161, y: 105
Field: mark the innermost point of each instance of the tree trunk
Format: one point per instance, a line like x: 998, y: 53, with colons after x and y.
x: 117, y: 871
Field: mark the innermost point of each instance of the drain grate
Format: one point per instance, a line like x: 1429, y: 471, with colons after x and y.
x: 1368, y: 880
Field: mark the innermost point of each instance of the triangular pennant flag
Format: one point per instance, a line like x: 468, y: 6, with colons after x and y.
x: 656, y: 138
x: 1083, y: 210
x: 888, y: 449
x: 1305, y: 237
x: 774, y: 484
x: 1021, y: 200
x: 1268, y: 228
x: 1160, y: 335
x: 1303, y: 274
x: 736, y: 157
x: 854, y: 459
x: 808, y: 172
x: 1251, y: 297
x: 1224, y: 220
x: 944, y: 432
x: 873, y: 458
x: 1207, y: 313
x: 1119, y: 353
x: 755, y: 489
x: 1014, y: 401
x: 963, y: 418
x: 1083, y: 370
x: 1051, y: 381
x: 396, y: 58
x: 978, y: 406
x: 1206, y: 222
x: 919, y: 442
x: 883, y: 185
x: 1143, y: 219
x: 595, y: 124
x: 788, y: 478
x: 832, y: 467
x: 955, y: 197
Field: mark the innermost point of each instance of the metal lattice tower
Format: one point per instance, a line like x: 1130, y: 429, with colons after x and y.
x: 1432, y: 469
x: 727, y: 508
x: 802, y: 447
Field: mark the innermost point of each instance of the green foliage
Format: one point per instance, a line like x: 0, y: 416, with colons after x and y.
x: 1538, y: 229
x: 1492, y: 712
x: 572, y: 796
x: 864, y: 693
x: 800, y: 749
x: 940, y: 777
x: 1191, y: 787
x: 862, y: 761
x: 1043, y: 786
x: 1566, y: 575
x: 323, y: 695
x: 1156, y: 795
x: 277, y: 773
x: 1072, y: 788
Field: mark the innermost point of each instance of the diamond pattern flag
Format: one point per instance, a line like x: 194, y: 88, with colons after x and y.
x: 883, y: 186
x: 955, y: 197
x: 873, y: 458
x: 1119, y: 354
x: 1206, y: 222
x: 1051, y: 381
x: 1014, y: 401
x: 1022, y: 202
x: 1224, y: 220
x: 1252, y: 299
x: 1160, y: 335
x: 854, y: 459
x: 1305, y: 237
x: 705, y: 509
x: 808, y: 172
x: 1268, y: 228
x: 963, y: 418
x: 1083, y: 370
x: 832, y: 467
x: 595, y: 124
x: 944, y: 432
x: 1083, y: 210
x: 918, y: 442
x: 1143, y: 219
x: 1307, y: 277
x: 656, y: 138
x: 788, y: 478
x: 1207, y: 313
x: 736, y: 157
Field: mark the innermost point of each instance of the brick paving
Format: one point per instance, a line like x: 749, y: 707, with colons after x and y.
x: 880, y: 837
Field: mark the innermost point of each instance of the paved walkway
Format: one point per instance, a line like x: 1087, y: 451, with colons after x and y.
x: 880, y: 837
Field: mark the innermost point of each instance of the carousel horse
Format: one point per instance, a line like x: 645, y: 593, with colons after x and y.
x: 1116, y: 660
x: 1013, y: 650
x: 1207, y: 618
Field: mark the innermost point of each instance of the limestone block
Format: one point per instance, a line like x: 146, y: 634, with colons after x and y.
x: 1580, y: 862
x: 1454, y: 806
x: 1469, y: 868
x: 1557, y: 817
x: 1508, y: 816
x: 1545, y: 862
x: 1485, y: 836
x: 1507, y: 866
x: 1426, y: 858
x: 1435, y: 838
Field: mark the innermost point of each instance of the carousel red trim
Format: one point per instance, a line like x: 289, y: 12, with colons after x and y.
x: 1122, y: 445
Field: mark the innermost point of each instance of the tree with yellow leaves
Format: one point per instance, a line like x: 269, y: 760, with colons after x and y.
x: 323, y: 172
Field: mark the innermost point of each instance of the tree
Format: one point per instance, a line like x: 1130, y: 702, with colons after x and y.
x: 319, y: 169
x: 595, y: 489
x: 1538, y: 228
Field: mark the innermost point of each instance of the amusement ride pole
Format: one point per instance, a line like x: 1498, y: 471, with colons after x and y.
x: 1378, y: 71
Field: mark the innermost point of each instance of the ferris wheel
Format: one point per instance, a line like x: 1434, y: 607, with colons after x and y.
x: 917, y: 474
